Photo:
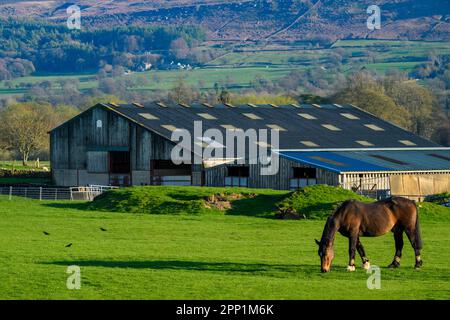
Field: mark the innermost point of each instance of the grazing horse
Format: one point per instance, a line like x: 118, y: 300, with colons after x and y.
x: 354, y: 219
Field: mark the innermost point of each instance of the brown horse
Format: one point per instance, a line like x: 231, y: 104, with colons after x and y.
x: 354, y: 219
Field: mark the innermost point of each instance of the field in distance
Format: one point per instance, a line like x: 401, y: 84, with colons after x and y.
x: 237, y: 68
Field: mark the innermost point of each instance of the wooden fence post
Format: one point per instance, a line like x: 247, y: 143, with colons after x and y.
x: 40, y: 193
x: 10, y: 192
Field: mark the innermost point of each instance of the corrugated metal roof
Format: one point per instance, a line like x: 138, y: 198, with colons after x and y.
x: 373, y: 161
x: 297, y: 128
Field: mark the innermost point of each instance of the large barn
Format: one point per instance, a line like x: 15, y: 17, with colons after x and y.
x: 332, y: 144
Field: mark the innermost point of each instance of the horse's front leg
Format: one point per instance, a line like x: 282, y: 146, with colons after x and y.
x: 352, y: 242
x: 362, y: 253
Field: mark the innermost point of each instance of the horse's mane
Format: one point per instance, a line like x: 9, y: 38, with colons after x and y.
x: 329, y: 231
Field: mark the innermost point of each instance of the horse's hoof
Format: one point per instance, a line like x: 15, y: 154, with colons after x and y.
x: 418, y: 264
x: 366, y: 265
x: 394, y: 265
x: 351, y: 268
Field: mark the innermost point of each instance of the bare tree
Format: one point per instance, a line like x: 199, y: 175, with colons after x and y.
x: 179, y: 48
x: 24, y: 127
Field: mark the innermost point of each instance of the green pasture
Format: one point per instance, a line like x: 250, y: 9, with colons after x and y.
x: 236, y: 254
x: 17, y: 165
x: 236, y: 69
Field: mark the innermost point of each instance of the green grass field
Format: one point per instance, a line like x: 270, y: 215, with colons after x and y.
x: 17, y: 165
x: 236, y: 69
x: 200, y: 256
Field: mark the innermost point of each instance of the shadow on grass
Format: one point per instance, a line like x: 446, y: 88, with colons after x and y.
x: 194, y: 265
x: 68, y: 205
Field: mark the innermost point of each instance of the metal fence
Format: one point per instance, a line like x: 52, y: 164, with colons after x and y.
x: 42, y: 193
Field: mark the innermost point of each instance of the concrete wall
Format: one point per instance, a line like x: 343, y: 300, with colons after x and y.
x: 140, y: 178
x: 73, y: 178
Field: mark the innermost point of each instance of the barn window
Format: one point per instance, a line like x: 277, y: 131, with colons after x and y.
x: 167, y: 173
x: 119, y: 162
x: 99, y: 124
x: 237, y: 176
x: 303, y: 177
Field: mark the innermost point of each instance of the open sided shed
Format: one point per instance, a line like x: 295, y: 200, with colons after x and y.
x: 415, y: 172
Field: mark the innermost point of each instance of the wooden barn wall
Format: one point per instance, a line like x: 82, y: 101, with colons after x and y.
x: 59, y: 148
x: 216, y: 176
x: 78, y: 135
x: 140, y: 148
x: 161, y: 148
x: 70, y: 143
x: 97, y: 162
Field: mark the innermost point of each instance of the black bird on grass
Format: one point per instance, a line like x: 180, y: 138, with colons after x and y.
x: 103, y: 229
x: 69, y: 245
x: 46, y: 233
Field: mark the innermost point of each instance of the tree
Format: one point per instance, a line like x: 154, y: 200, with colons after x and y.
x: 225, y: 96
x: 417, y: 100
x: 181, y: 92
x: 376, y: 102
x: 179, y: 48
x: 24, y: 126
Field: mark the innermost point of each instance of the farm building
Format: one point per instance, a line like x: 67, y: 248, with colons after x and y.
x: 338, y: 145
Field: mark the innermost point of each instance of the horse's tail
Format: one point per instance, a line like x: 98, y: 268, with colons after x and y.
x: 417, y: 232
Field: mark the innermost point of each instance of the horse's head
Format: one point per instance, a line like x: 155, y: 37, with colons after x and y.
x: 326, y: 255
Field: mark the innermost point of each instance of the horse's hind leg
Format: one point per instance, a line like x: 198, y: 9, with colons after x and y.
x: 398, y: 237
x: 352, y: 244
x: 362, y: 253
x: 414, y: 238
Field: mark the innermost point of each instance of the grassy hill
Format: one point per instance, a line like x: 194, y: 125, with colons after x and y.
x: 312, y: 202
x: 199, y: 256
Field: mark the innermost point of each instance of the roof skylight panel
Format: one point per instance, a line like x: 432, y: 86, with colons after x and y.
x: 374, y: 127
x: 309, y: 143
x: 148, y: 116
x: 307, y: 116
x: 252, y: 116
x: 207, y: 116
x: 331, y: 127
x: 350, y: 116
x: 276, y: 127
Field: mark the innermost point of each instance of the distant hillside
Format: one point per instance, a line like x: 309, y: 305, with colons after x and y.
x: 259, y: 19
